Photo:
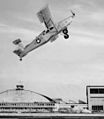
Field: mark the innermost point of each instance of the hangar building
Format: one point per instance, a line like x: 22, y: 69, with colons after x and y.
x: 20, y: 100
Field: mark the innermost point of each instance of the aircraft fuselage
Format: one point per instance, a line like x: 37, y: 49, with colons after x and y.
x: 43, y: 38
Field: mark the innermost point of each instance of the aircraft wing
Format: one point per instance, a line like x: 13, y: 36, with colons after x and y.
x: 44, y: 16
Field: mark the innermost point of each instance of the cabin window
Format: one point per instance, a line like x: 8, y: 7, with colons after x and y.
x: 43, y: 32
x: 51, y: 28
x: 47, y: 31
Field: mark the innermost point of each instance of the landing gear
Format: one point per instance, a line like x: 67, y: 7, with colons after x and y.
x: 65, y: 31
x: 66, y: 36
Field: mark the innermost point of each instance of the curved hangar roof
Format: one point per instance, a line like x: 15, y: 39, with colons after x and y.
x: 21, y: 95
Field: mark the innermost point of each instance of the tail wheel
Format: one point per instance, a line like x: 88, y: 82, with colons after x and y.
x: 66, y: 36
x: 20, y: 59
x: 65, y: 31
x: 38, y: 40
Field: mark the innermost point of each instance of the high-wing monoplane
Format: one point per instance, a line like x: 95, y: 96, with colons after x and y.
x: 50, y: 34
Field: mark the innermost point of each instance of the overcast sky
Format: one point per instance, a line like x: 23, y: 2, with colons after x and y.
x: 59, y: 68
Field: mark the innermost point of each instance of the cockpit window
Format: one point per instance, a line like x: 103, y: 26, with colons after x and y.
x: 43, y: 32
x: 51, y: 28
x: 47, y: 31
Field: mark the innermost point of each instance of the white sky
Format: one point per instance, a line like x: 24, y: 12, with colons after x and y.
x: 59, y: 69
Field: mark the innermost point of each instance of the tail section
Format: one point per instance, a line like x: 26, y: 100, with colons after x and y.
x: 19, y: 50
x: 17, y: 41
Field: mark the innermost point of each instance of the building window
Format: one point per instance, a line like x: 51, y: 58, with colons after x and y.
x: 101, y: 91
x: 97, y: 90
x: 97, y: 107
x: 94, y: 91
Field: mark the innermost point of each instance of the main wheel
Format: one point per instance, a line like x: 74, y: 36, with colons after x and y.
x: 66, y: 36
x: 65, y: 31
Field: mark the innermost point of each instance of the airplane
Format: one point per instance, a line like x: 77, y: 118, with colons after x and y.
x: 50, y: 34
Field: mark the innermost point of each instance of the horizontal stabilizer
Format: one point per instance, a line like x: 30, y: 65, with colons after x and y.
x: 18, y: 52
x: 16, y: 42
